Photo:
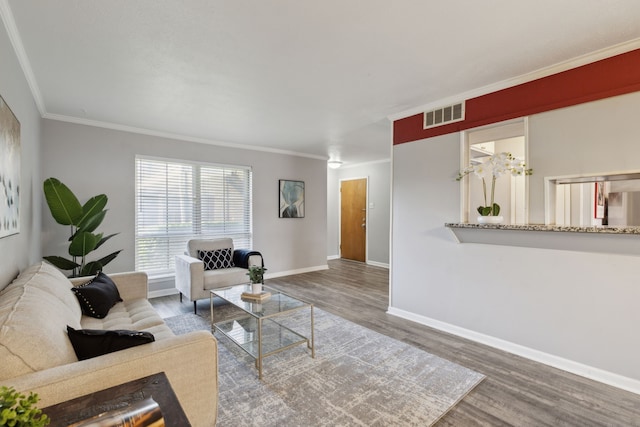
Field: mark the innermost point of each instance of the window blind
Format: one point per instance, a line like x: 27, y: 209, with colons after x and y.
x: 177, y: 201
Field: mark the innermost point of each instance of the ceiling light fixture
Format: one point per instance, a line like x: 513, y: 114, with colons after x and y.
x: 334, y: 164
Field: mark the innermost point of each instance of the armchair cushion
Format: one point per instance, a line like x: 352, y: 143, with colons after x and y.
x: 216, y: 259
x: 194, y: 245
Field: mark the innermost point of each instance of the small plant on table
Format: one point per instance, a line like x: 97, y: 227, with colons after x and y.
x: 256, y: 274
x: 19, y: 410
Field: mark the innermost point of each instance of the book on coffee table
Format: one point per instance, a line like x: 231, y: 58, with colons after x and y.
x: 255, y: 297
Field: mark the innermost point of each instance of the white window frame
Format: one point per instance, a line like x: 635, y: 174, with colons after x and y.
x: 175, y: 243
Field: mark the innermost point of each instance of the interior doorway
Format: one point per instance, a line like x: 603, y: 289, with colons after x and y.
x: 511, y: 192
x: 353, y: 219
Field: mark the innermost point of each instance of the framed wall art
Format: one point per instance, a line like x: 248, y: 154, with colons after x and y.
x: 9, y: 171
x: 291, y: 195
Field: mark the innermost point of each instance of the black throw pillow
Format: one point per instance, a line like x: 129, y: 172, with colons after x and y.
x: 219, y: 258
x: 88, y: 343
x: 97, y: 296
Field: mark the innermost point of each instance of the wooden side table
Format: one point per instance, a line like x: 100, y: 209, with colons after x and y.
x: 118, y: 397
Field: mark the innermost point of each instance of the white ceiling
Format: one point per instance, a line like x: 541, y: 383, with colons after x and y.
x: 318, y: 78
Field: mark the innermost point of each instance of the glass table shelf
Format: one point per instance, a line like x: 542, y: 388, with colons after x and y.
x: 257, y: 332
x: 275, y: 337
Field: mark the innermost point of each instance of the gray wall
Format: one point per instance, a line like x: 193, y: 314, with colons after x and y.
x: 92, y: 160
x: 333, y: 213
x: 379, y: 176
x: 589, y: 139
x: 564, y: 307
x: 20, y: 250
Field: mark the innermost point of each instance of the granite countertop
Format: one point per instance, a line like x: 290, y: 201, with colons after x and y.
x: 541, y: 227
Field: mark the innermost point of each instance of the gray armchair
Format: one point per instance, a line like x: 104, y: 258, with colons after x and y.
x: 194, y: 280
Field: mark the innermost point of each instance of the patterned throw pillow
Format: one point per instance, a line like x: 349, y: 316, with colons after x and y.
x: 219, y: 258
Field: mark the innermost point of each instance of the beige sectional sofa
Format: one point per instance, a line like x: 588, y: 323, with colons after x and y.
x: 36, y: 354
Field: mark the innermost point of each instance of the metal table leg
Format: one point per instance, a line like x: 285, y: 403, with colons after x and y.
x: 313, y: 345
x: 211, y: 309
x: 259, y: 360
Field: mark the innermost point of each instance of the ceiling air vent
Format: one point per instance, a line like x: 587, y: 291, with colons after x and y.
x: 444, y: 115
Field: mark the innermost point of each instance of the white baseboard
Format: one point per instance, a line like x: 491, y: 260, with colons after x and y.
x: 298, y: 271
x: 174, y: 291
x: 162, y: 293
x: 369, y: 262
x: 378, y: 264
x: 577, y: 368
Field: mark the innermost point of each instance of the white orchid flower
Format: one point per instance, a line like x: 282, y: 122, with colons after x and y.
x: 480, y: 170
x: 494, y: 167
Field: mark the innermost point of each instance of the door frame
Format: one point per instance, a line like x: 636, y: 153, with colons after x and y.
x: 366, y: 232
x: 496, y: 131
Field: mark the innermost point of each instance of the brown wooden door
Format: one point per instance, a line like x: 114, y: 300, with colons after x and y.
x: 353, y: 219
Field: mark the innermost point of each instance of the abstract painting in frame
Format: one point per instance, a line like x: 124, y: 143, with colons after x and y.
x: 9, y: 171
x: 291, y: 199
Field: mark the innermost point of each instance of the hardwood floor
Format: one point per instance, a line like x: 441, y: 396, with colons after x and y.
x: 516, y: 392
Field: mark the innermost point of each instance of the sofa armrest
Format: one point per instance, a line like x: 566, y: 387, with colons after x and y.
x: 131, y: 284
x: 190, y: 362
x: 189, y: 276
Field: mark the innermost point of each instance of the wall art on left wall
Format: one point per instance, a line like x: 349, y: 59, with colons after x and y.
x: 9, y: 171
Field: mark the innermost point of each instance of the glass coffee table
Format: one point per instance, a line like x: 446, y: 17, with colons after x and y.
x: 258, y: 332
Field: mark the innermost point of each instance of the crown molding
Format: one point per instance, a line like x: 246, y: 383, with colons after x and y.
x: 16, y: 41
x: 168, y: 135
x: 369, y: 163
x: 524, y: 78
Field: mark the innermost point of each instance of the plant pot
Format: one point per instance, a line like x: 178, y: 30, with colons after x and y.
x: 490, y: 219
x: 256, y: 288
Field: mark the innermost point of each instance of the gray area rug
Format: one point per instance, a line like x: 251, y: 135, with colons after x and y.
x: 358, y: 378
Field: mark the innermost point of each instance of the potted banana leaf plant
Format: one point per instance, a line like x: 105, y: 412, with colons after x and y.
x: 82, y: 220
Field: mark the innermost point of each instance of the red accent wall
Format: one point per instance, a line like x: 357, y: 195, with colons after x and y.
x: 609, y: 77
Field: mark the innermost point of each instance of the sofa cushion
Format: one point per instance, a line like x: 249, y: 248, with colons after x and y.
x: 97, y: 296
x: 88, y: 343
x: 194, y: 245
x: 34, y: 315
x: 136, y: 314
x: 48, y: 278
x: 216, y: 259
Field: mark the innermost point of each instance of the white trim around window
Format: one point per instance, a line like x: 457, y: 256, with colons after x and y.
x: 178, y: 200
